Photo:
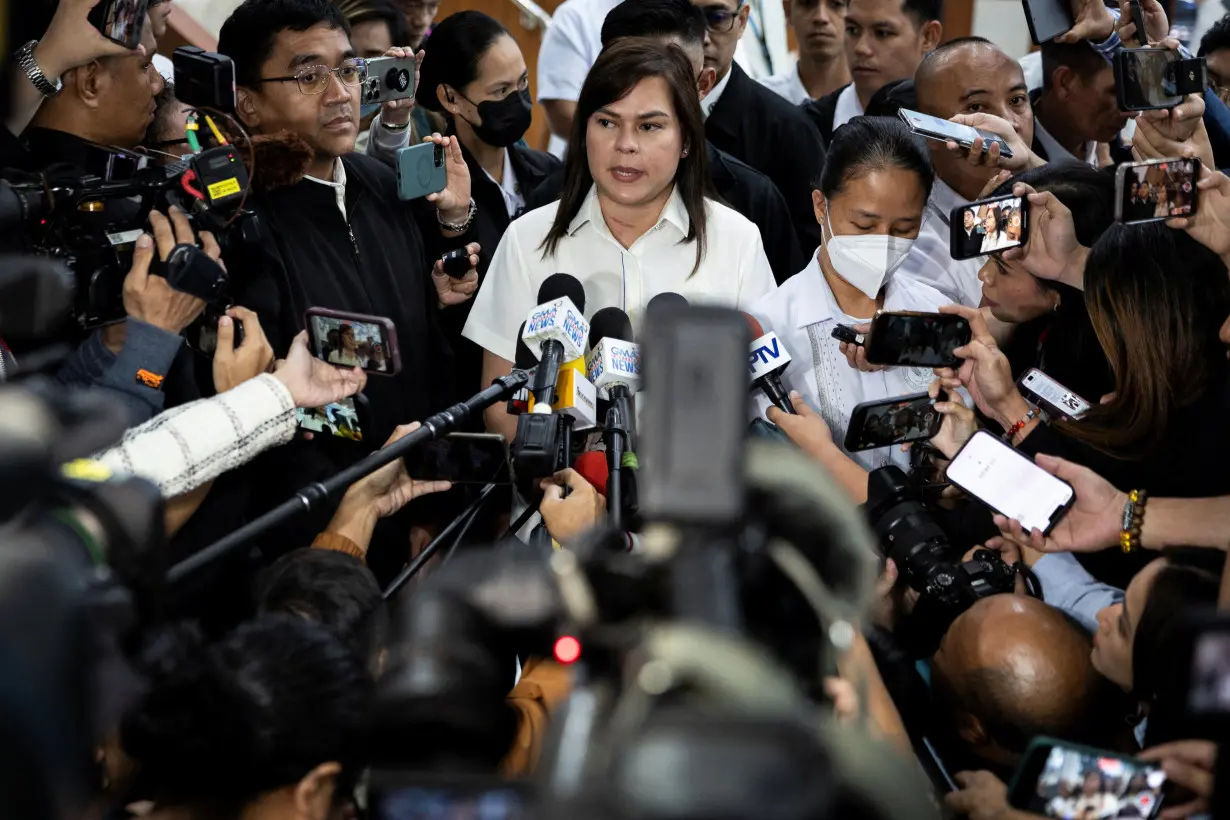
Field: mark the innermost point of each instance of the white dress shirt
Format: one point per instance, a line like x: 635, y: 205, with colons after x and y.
x: 711, y: 99
x: 510, y: 189
x: 848, y: 107
x: 788, y: 85
x: 734, y: 271
x: 569, y: 49
x: 930, y: 260
x: 1056, y: 152
x: 803, y: 313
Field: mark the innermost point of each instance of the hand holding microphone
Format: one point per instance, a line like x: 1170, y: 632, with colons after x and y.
x: 768, y: 360
x: 569, y: 516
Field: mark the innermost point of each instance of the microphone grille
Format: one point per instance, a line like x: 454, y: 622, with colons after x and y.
x: 609, y: 323
x: 562, y: 284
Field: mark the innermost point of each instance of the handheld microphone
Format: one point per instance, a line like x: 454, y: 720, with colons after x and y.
x: 556, y: 332
x: 525, y: 361
x: 767, y: 361
x: 665, y: 302
x: 615, y: 368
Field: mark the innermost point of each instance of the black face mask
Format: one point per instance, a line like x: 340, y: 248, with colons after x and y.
x: 504, y: 121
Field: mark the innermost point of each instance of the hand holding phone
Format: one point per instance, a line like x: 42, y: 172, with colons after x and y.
x: 420, y: 170
x: 354, y: 340
x: 1009, y: 483
x: 897, y: 420
x: 1061, y: 779
x: 1156, y: 190
x: 988, y: 226
x: 120, y: 21
x: 917, y: 339
x: 934, y: 128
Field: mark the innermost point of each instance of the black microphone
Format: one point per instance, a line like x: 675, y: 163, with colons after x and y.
x: 557, y: 327
x: 615, y: 368
x: 525, y: 361
x: 665, y: 301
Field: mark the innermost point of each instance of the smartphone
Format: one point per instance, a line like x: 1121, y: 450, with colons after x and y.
x: 120, y: 21
x: 1156, y: 189
x: 388, y: 78
x: 401, y: 797
x: 1208, y: 682
x: 934, y: 128
x: 420, y: 170
x: 1009, y: 483
x: 1047, y: 19
x: 1061, y: 779
x: 892, y: 421
x: 1052, y: 397
x: 1138, y: 18
x: 845, y: 333
x: 354, y: 340
x: 916, y: 339
x: 346, y: 419
x: 1150, y: 78
x: 463, y: 458
x: 988, y: 226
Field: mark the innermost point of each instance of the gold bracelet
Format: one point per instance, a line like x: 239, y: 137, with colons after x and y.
x: 1133, y: 521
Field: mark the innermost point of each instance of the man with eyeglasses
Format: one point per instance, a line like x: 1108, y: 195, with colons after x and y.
x: 752, y: 124
x: 335, y: 233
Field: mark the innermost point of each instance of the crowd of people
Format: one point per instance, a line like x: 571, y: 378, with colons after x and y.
x: 802, y: 200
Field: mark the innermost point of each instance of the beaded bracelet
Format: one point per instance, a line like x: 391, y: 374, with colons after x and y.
x: 1020, y: 425
x: 1133, y: 520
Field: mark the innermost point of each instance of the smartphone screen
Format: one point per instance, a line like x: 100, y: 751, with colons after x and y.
x: 351, y: 341
x: 988, y: 226
x: 1146, y: 79
x: 463, y: 458
x: 1057, y: 400
x: 120, y: 20
x: 919, y: 340
x: 499, y: 802
x: 1009, y: 483
x: 1079, y: 782
x: 881, y: 423
x: 339, y: 419
x: 1156, y: 190
x: 1209, y: 692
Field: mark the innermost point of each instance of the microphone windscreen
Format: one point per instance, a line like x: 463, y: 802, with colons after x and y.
x: 609, y: 323
x: 667, y: 300
x: 562, y: 284
x: 525, y: 359
x: 754, y: 326
x: 592, y: 466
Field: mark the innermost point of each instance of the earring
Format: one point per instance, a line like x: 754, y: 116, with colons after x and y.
x: 685, y: 152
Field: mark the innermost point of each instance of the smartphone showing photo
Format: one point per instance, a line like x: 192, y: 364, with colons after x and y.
x: 988, y: 226
x: 934, y: 128
x: 1153, y: 78
x: 1056, y: 400
x: 398, y: 796
x: 1010, y: 483
x: 120, y: 21
x: 340, y: 419
x: 463, y: 458
x: 892, y: 421
x: 354, y: 340
x: 916, y: 339
x: 1208, y: 686
x: 1065, y: 780
x: 1156, y: 189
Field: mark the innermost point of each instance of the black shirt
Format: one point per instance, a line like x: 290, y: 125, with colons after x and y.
x: 823, y: 111
x: 756, y: 126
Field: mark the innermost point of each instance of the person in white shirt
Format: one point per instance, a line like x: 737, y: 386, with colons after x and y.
x: 819, y: 27
x: 870, y: 206
x: 632, y: 221
x: 569, y: 48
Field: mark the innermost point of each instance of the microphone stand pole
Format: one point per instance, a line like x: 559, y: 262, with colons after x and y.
x: 466, y: 518
x: 312, y: 496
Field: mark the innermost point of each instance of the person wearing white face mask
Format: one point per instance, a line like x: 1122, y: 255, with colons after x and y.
x: 869, y: 203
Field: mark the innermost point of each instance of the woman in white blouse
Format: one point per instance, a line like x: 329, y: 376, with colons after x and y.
x: 869, y: 203
x: 633, y: 220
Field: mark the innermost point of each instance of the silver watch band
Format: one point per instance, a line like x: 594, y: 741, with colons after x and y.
x: 25, y: 59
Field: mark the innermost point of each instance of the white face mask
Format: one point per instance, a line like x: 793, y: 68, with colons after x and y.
x: 865, y: 261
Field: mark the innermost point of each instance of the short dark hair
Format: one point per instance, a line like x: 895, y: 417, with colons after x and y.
x: 620, y: 68
x: 454, y: 48
x: 866, y: 144
x: 923, y: 11
x: 247, y: 35
x: 890, y: 99
x: 678, y: 19
x: 331, y: 588
x: 358, y: 12
x: 1216, y: 38
x: 1081, y: 58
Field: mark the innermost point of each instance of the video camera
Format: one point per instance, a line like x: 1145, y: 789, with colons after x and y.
x: 91, y: 220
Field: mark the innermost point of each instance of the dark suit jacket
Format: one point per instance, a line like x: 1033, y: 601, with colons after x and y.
x: 755, y: 125
x: 971, y: 245
x: 741, y: 187
x: 822, y: 111
x: 1118, y: 151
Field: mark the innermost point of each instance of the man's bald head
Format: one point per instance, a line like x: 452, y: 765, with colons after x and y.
x: 1010, y: 668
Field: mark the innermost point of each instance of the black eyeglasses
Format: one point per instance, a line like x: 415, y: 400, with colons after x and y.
x: 314, y: 79
x: 721, y: 20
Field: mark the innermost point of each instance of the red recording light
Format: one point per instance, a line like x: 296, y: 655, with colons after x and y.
x: 567, y: 649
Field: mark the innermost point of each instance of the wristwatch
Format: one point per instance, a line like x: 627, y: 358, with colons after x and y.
x: 25, y: 59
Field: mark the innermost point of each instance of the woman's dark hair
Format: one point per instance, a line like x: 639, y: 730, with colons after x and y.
x: 867, y: 144
x: 890, y: 99
x: 1157, y: 299
x: 454, y: 49
x: 256, y: 711
x: 1159, y: 649
x: 619, y: 69
x: 359, y: 12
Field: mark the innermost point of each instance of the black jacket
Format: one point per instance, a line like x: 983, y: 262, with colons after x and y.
x: 531, y: 168
x: 744, y: 189
x: 755, y: 125
x: 822, y: 111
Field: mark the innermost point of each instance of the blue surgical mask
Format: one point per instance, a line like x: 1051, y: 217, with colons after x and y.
x: 367, y: 109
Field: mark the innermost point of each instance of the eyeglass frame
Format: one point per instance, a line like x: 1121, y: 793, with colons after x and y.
x: 359, y: 61
x: 730, y: 24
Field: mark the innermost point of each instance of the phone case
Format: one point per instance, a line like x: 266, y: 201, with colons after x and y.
x: 389, y: 78
x: 1024, y: 780
x: 1122, y: 59
x: 420, y: 171
x: 858, y: 421
x: 1047, y: 19
x: 1120, y: 181
x: 1138, y: 18
x: 1055, y: 517
x: 363, y: 416
x: 908, y: 117
x: 393, y: 353
x: 877, y: 355
x: 128, y: 18
x: 956, y: 232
